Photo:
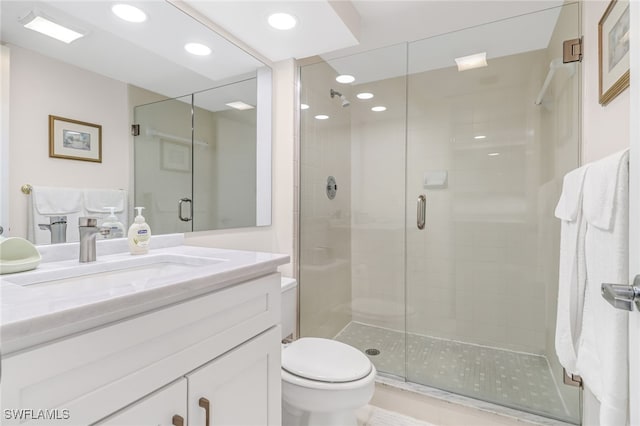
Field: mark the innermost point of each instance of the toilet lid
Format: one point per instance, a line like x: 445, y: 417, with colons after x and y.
x: 325, y: 360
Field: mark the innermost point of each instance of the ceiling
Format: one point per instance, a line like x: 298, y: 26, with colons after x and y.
x: 151, y: 55
x: 338, y: 28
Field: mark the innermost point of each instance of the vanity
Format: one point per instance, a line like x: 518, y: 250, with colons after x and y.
x: 183, y: 335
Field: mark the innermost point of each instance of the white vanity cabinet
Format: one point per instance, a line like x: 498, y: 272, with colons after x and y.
x: 231, y: 390
x: 223, y: 346
x: 164, y: 407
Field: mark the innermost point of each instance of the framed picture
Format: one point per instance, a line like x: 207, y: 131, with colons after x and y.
x: 74, y: 140
x: 613, y: 50
x: 175, y: 156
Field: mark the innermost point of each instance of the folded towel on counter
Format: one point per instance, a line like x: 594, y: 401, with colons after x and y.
x: 45, y: 202
x: 572, y: 272
x: 603, y: 347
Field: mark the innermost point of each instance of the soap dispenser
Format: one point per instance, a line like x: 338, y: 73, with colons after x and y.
x: 139, y: 234
x: 115, y: 227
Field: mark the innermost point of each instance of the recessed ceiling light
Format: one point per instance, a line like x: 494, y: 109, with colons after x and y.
x: 480, y: 137
x: 493, y: 154
x: 364, y: 95
x: 129, y: 13
x: 304, y: 106
x: 197, y: 49
x: 282, y: 21
x: 345, y: 79
x: 49, y: 28
x: 240, y: 105
x: 379, y: 108
x: 321, y: 117
x: 477, y: 60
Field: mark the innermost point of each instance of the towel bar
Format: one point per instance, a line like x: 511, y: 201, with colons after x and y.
x: 26, y: 189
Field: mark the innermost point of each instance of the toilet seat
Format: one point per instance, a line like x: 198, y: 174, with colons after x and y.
x: 325, y: 360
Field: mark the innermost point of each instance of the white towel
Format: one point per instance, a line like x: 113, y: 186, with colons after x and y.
x: 571, y: 282
x: 603, y: 349
x: 45, y: 202
x: 97, y: 201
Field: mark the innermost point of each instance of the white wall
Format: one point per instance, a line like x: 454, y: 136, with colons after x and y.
x: 67, y: 91
x: 605, y: 129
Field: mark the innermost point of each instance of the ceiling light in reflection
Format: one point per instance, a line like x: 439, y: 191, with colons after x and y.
x: 493, y: 154
x: 470, y: 62
x: 239, y: 105
x: 282, y: 21
x: 197, y: 49
x: 480, y: 137
x: 378, y: 108
x: 345, y: 79
x: 364, y: 96
x: 129, y: 13
x: 49, y: 28
x: 321, y: 117
x: 304, y: 106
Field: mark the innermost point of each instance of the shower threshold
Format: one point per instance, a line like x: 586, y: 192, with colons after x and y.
x: 511, y: 382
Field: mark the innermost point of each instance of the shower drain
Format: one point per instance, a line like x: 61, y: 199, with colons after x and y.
x: 372, y: 352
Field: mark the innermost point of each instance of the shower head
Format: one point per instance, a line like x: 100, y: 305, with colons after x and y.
x: 345, y: 101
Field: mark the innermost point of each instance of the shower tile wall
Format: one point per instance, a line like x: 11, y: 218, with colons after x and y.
x: 325, y: 234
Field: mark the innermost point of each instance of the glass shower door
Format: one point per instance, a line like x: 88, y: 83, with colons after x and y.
x: 163, y: 164
x: 352, y: 158
x: 482, y: 272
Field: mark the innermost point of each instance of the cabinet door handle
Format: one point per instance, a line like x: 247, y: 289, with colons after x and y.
x: 204, y: 403
x: 177, y: 420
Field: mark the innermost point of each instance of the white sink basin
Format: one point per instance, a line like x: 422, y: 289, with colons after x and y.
x: 133, y: 269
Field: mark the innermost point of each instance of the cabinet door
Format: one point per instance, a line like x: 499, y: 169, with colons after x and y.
x: 241, y: 387
x: 161, y: 408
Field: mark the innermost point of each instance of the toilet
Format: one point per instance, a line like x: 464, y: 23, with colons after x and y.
x: 323, y: 381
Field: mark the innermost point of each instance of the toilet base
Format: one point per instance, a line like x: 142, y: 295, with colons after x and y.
x: 295, y: 417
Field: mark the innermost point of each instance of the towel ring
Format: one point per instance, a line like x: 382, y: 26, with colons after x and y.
x: 26, y: 189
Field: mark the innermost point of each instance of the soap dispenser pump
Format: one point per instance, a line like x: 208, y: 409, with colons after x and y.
x: 139, y: 234
x: 115, y: 227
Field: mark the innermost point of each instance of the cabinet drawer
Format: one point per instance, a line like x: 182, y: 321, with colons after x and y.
x: 97, y: 373
x: 156, y: 409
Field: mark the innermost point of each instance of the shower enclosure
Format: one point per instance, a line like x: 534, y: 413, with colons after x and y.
x: 427, y: 235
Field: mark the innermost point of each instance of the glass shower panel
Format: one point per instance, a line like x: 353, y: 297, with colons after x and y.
x: 352, y: 158
x: 163, y: 163
x: 482, y: 274
x: 224, y: 157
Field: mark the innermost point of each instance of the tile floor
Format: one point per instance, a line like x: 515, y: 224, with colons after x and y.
x: 517, y: 380
x: 375, y: 416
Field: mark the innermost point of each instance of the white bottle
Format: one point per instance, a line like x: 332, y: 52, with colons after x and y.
x: 139, y: 234
x: 115, y: 227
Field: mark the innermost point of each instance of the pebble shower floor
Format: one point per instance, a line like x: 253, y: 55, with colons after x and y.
x: 514, y: 379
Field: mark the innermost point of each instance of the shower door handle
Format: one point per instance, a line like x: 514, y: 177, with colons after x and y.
x: 421, y: 214
x: 180, y: 202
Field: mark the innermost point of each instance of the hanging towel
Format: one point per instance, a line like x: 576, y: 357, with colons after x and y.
x: 603, y: 348
x: 45, y: 202
x: 97, y: 201
x: 571, y: 282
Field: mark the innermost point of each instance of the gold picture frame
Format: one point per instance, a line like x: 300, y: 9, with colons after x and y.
x: 74, y: 140
x: 613, y: 51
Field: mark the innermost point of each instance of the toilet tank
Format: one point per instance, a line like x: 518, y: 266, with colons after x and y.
x: 289, y: 303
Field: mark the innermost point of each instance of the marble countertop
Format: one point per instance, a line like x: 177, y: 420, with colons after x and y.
x: 37, y: 313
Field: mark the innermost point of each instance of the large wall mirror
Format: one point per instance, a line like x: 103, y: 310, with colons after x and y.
x: 201, y: 159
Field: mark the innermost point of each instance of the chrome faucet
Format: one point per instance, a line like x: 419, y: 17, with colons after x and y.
x: 58, y: 227
x: 88, y: 227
